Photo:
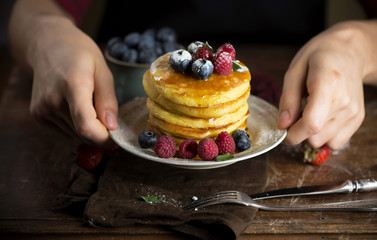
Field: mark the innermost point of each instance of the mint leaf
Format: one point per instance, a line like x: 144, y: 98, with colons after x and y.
x: 224, y: 157
x: 209, y: 47
x: 237, y: 67
x: 151, y: 199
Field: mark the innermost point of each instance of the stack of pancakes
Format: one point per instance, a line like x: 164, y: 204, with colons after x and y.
x: 184, y: 107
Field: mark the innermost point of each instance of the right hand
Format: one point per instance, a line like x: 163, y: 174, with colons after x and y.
x: 331, y: 69
x: 73, y: 89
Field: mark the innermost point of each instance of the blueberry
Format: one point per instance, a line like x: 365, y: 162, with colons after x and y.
x: 147, y: 139
x: 166, y: 34
x: 158, y: 48
x: 117, y: 50
x: 130, y: 56
x: 132, y: 39
x: 241, y: 139
x: 112, y: 41
x: 180, y: 60
x: 146, y: 43
x: 202, y: 68
x: 150, y: 32
x: 194, y: 46
x: 171, y: 46
x: 147, y: 56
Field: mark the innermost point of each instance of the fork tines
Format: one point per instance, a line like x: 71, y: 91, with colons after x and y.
x: 220, y: 197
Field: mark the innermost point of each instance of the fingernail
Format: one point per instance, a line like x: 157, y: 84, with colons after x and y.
x: 111, y: 120
x: 284, y: 116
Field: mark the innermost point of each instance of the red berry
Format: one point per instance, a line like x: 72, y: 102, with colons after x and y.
x: 165, y: 147
x: 225, y: 143
x: 89, y: 157
x: 222, y: 63
x: 188, y: 149
x: 202, y: 52
x: 227, y: 47
x: 207, y: 149
x: 315, y: 155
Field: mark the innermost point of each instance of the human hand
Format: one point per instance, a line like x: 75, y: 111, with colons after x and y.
x: 73, y: 88
x: 329, y: 72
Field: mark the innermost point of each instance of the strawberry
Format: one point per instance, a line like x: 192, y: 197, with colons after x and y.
x: 315, y: 155
x: 223, y: 63
x: 89, y: 157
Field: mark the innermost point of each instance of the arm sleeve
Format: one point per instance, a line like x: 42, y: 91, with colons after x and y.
x: 370, y: 7
x: 77, y: 8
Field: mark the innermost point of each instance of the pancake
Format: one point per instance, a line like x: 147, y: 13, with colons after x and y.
x: 199, y: 112
x: 187, y: 108
x: 178, y: 132
x: 186, y: 90
x: 186, y: 121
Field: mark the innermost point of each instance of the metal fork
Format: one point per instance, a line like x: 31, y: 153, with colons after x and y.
x: 244, y: 199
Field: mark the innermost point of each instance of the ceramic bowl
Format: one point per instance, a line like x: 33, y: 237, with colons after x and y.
x: 128, y: 78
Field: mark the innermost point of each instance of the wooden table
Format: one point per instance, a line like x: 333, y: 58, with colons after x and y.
x: 34, y: 169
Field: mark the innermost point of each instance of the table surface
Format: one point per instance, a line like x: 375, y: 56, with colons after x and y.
x: 34, y: 169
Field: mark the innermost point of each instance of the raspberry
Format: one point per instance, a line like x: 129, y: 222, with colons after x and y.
x: 227, y: 47
x: 207, y: 149
x: 188, y: 149
x: 222, y: 63
x: 202, y: 52
x: 165, y: 147
x: 225, y: 143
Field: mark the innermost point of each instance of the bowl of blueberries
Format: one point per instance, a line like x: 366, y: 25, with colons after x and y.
x: 129, y: 57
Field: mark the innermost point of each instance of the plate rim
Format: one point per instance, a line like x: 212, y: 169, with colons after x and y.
x: 198, y: 164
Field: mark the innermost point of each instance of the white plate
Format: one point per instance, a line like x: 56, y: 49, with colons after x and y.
x: 262, y: 124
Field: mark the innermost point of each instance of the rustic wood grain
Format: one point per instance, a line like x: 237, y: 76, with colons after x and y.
x: 35, y: 165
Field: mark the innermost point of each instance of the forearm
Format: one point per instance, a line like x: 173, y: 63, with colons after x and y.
x: 24, y: 25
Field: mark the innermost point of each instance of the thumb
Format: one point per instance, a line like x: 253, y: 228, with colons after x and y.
x: 105, y: 100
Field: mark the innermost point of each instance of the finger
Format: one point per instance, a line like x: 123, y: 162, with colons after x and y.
x: 290, y: 100
x: 293, y: 89
x: 341, y: 137
x: 84, y: 116
x: 338, y: 131
x: 104, y: 96
x: 317, y: 109
x: 332, y: 133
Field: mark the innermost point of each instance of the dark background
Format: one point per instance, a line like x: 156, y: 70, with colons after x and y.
x: 267, y: 21
x: 238, y: 21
